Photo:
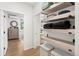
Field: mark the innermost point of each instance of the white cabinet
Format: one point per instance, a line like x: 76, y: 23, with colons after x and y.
x: 13, y: 33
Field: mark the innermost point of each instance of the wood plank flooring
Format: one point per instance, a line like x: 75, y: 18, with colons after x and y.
x: 15, y: 48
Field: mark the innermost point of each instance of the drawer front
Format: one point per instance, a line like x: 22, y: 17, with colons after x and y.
x: 67, y: 36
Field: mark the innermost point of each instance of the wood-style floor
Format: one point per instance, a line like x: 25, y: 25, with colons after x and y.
x: 15, y: 48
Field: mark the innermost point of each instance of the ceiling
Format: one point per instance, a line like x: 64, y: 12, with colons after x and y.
x: 30, y: 3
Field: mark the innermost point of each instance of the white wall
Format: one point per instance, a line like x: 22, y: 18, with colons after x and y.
x: 36, y: 24
x: 37, y: 8
x: 27, y: 11
x: 77, y: 29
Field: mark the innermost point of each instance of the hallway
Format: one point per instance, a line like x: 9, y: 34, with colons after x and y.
x: 15, y: 48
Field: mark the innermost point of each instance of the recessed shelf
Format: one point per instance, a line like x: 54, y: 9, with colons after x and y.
x: 56, y: 7
x: 61, y: 45
x: 62, y: 16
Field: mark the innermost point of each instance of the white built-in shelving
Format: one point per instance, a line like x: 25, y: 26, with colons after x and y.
x: 65, y: 46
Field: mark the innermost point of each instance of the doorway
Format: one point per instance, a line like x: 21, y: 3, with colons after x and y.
x: 15, y: 30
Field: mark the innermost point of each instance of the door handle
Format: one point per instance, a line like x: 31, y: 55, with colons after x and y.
x: 4, y: 32
x: 4, y: 48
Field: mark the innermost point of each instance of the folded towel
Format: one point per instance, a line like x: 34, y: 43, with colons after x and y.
x: 58, y: 25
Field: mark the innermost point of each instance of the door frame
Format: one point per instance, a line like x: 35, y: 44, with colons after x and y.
x: 3, y: 15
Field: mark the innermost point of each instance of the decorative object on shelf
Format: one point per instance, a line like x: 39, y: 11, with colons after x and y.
x: 14, y: 23
x: 58, y: 25
x: 63, y: 12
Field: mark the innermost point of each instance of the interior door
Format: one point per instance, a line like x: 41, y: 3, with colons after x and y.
x: 1, y: 50
x: 3, y: 33
x: 36, y: 30
x: 5, y: 30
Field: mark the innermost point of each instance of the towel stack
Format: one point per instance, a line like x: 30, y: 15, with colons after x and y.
x: 58, y: 25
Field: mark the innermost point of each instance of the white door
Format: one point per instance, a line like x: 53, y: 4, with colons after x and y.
x: 3, y: 33
x: 36, y: 30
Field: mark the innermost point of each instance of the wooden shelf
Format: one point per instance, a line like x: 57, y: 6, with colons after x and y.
x: 61, y: 45
x: 56, y: 7
x: 62, y: 16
